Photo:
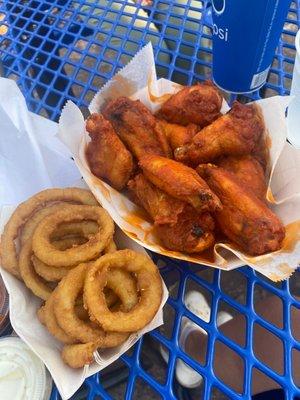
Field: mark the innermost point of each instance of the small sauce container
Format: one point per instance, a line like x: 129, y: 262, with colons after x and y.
x: 23, y: 376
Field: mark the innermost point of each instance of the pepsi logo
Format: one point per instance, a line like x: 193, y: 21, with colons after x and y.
x: 218, y: 6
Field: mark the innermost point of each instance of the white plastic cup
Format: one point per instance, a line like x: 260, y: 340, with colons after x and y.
x: 293, y: 119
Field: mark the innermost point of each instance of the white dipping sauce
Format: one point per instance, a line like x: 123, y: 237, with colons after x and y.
x: 23, y: 375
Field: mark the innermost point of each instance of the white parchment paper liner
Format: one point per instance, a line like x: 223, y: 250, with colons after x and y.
x: 40, y: 160
x: 138, y: 80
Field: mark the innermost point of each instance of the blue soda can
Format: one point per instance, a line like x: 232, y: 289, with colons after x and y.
x: 245, y: 37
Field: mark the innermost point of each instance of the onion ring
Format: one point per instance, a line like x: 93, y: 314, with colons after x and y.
x: 68, y: 291
x: 8, y: 251
x: 148, y: 281
x: 47, y: 318
x: 47, y: 253
x: 54, y: 274
x: 31, y: 279
x: 79, y: 355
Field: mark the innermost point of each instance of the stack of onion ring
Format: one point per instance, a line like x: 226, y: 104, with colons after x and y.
x: 60, y: 243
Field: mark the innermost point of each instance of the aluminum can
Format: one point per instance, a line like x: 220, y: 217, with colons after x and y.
x: 245, y: 37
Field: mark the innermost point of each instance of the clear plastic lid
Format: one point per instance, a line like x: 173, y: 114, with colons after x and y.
x: 23, y: 375
x: 4, y: 308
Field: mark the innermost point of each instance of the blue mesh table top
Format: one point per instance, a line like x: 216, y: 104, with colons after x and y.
x: 64, y: 49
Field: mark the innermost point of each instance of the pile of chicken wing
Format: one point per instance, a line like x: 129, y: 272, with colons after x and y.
x: 197, y: 173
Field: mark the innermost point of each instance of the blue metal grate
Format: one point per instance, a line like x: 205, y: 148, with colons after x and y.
x: 59, y: 50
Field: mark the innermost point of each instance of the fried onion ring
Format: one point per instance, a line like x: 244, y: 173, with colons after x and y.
x: 54, y: 274
x: 79, y: 355
x: 149, y: 285
x: 47, y: 318
x: 31, y: 279
x: 64, y: 309
x: 25, y: 210
x: 46, y: 252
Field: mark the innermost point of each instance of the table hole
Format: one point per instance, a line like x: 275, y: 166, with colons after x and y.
x: 113, y: 378
x: 268, y: 348
x: 75, y: 90
x: 273, y: 78
x: 194, y: 344
x: 228, y: 329
x: 295, y: 319
x: 229, y: 367
x: 180, y: 77
x: 269, y: 307
x: 88, y: 97
x: 260, y: 380
x: 217, y: 394
x: 98, y: 82
x: 143, y: 390
x: 294, y: 283
x: 169, y: 316
x: 82, y: 76
x: 154, y: 359
x: 295, y: 366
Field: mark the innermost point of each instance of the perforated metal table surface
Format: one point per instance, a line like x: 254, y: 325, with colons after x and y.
x: 63, y: 49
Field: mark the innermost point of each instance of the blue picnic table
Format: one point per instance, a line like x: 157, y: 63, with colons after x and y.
x: 66, y: 49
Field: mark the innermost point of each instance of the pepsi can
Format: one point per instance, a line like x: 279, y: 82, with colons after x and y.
x: 245, y: 37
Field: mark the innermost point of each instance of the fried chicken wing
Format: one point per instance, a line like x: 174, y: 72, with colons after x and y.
x: 235, y: 133
x: 178, y: 225
x: 191, y: 234
x: 178, y: 135
x: 199, y: 104
x: 162, y: 208
x: 179, y: 181
x: 107, y: 156
x: 248, y: 172
x: 244, y: 219
x: 137, y: 127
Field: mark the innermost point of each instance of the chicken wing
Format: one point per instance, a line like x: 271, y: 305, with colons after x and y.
x: 191, y: 234
x: 177, y: 224
x: 248, y: 172
x: 235, y: 133
x: 161, y: 207
x: 179, y: 181
x: 244, y: 219
x: 137, y: 127
x: 107, y: 156
x: 199, y: 104
x: 178, y: 135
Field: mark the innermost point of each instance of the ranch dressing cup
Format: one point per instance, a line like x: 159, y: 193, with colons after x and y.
x: 245, y: 36
x: 23, y: 375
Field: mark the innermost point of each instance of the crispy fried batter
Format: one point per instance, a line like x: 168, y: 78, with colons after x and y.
x: 178, y: 135
x: 244, y: 219
x: 235, y: 133
x: 107, y: 156
x: 191, y: 234
x: 137, y: 127
x: 162, y: 208
x: 199, y: 104
x: 180, y: 182
x: 249, y: 173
